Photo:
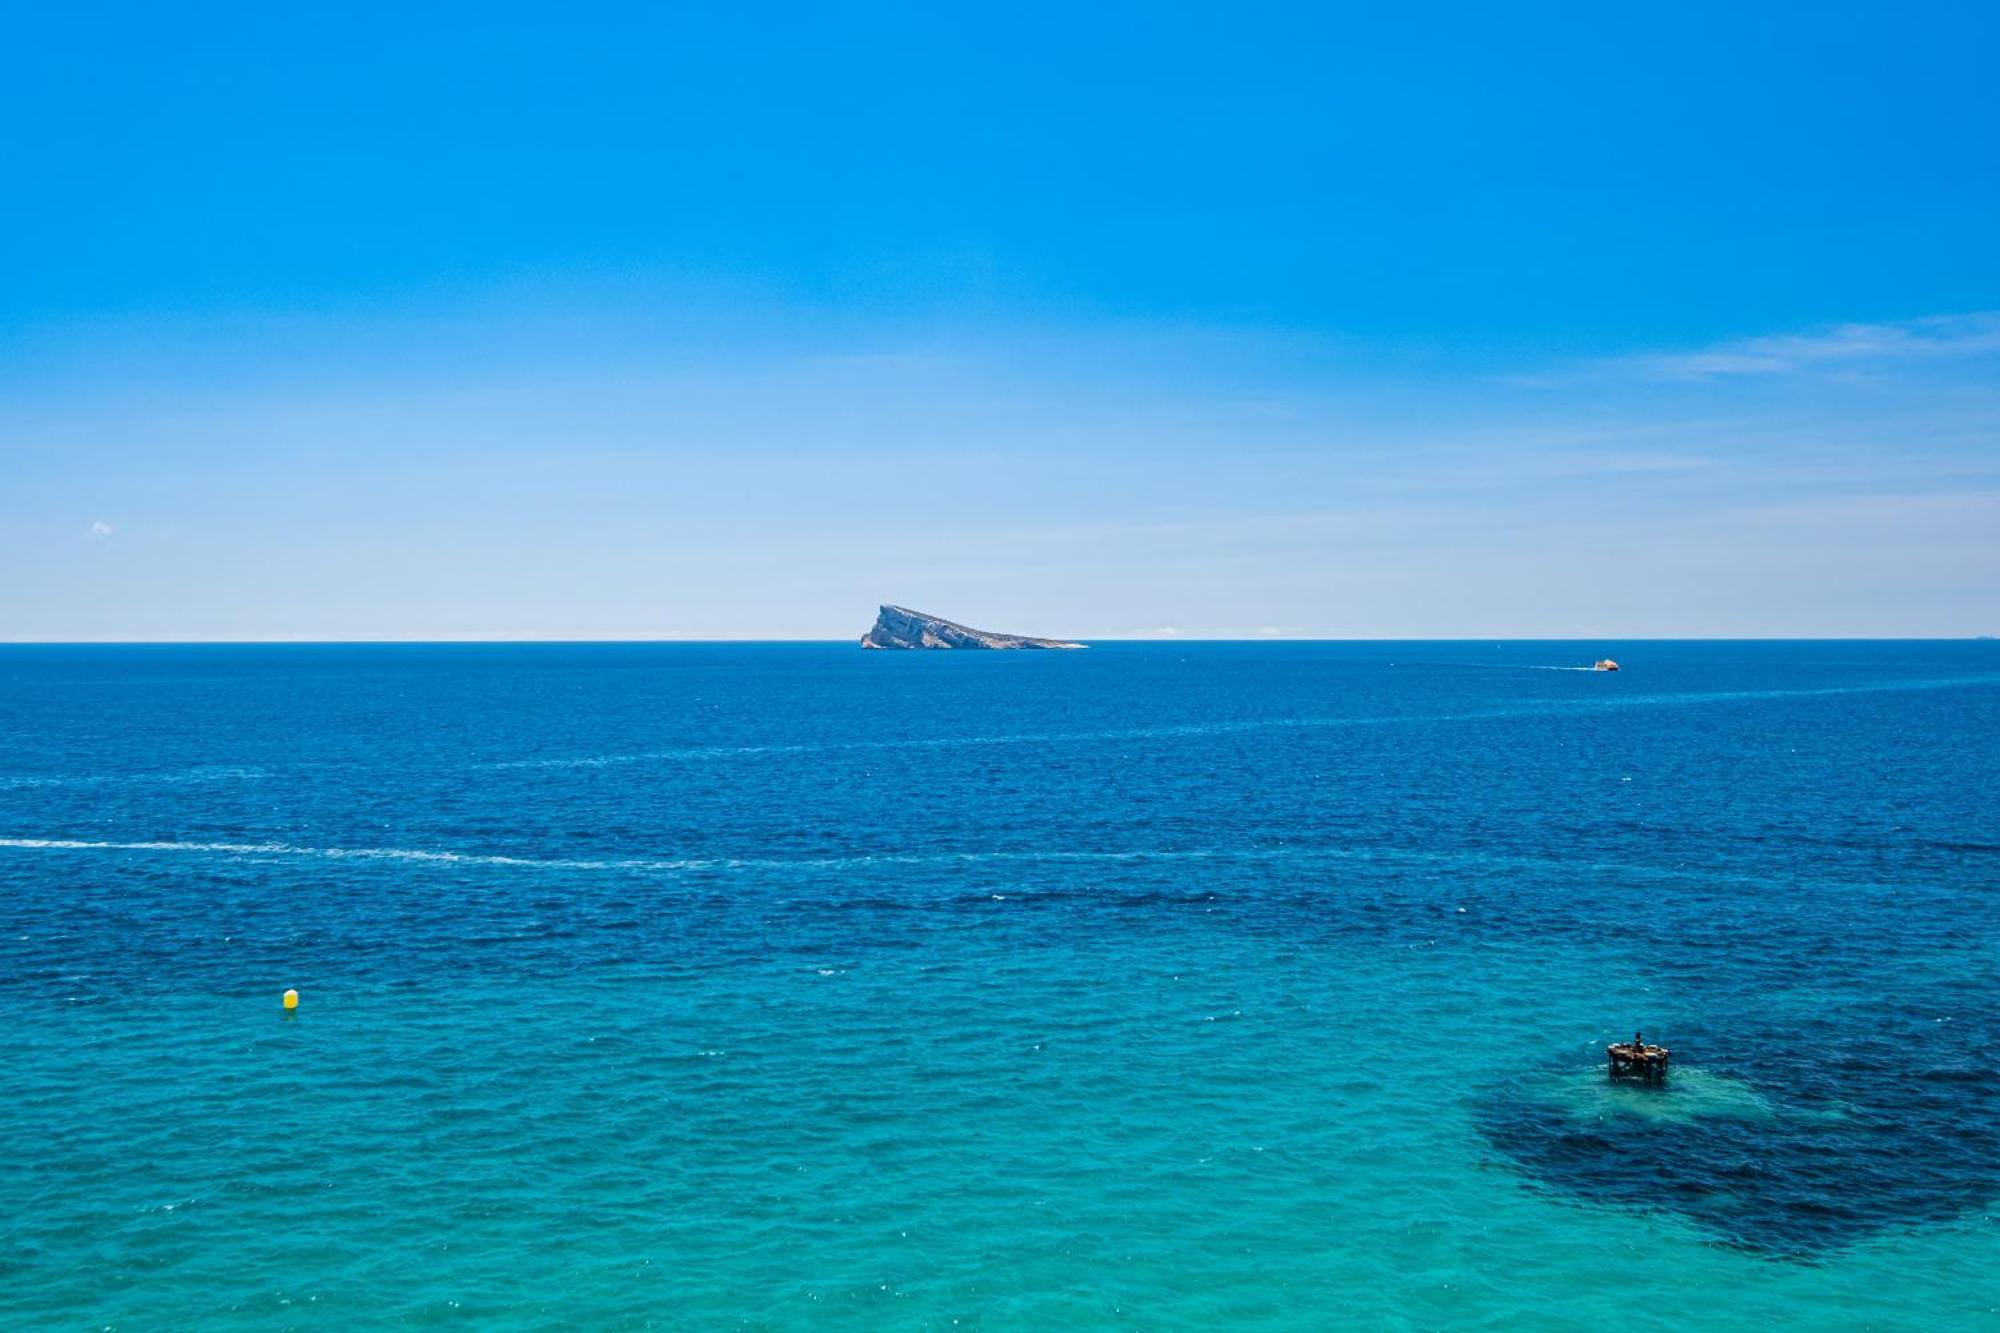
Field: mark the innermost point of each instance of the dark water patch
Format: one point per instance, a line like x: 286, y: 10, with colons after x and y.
x: 1825, y: 1146
x: 1946, y: 845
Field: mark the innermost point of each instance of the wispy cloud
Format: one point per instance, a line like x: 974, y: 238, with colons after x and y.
x: 1843, y: 345
x: 1628, y: 490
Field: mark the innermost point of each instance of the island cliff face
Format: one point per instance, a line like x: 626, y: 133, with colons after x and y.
x: 900, y: 627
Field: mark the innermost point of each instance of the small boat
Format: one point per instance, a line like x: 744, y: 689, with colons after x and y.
x: 1604, y: 664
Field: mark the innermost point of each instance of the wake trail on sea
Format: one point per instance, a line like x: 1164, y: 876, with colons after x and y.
x: 29, y: 781
x: 1459, y: 862
x: 260, y: 849
x: 1200, y: 730
x: 1183, y: 731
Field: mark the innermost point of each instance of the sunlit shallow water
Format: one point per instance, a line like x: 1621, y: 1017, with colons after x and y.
x: 1169, y: 985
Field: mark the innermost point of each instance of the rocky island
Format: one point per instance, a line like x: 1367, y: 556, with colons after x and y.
x: 900, y: 627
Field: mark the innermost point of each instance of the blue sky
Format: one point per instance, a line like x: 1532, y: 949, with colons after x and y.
x: 1262, y: 320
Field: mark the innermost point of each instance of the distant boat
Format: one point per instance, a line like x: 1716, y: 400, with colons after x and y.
x: 1604, y: 664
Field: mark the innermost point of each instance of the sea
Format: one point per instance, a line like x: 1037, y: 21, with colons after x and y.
x: 1162, y: 985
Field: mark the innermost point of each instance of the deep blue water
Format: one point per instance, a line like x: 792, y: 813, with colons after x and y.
x: 1172, y: 985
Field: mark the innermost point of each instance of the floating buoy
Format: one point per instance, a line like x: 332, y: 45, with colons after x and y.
x: 291, y: 999
x: 1637, y: 1059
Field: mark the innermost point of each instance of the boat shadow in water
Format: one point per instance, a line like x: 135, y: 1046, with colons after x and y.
x: 1831, y: 1147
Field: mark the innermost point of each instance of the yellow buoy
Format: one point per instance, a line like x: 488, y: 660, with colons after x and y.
x: 291, y: 999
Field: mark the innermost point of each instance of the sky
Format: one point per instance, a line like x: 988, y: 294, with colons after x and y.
x: 609, y: 321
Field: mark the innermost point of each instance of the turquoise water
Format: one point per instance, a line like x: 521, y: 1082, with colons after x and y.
x: 1165, y: 986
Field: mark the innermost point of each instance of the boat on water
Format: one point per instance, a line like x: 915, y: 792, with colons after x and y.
x: 1604, y: 664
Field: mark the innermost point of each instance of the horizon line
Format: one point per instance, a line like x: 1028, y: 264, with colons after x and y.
x: 474, y: 641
